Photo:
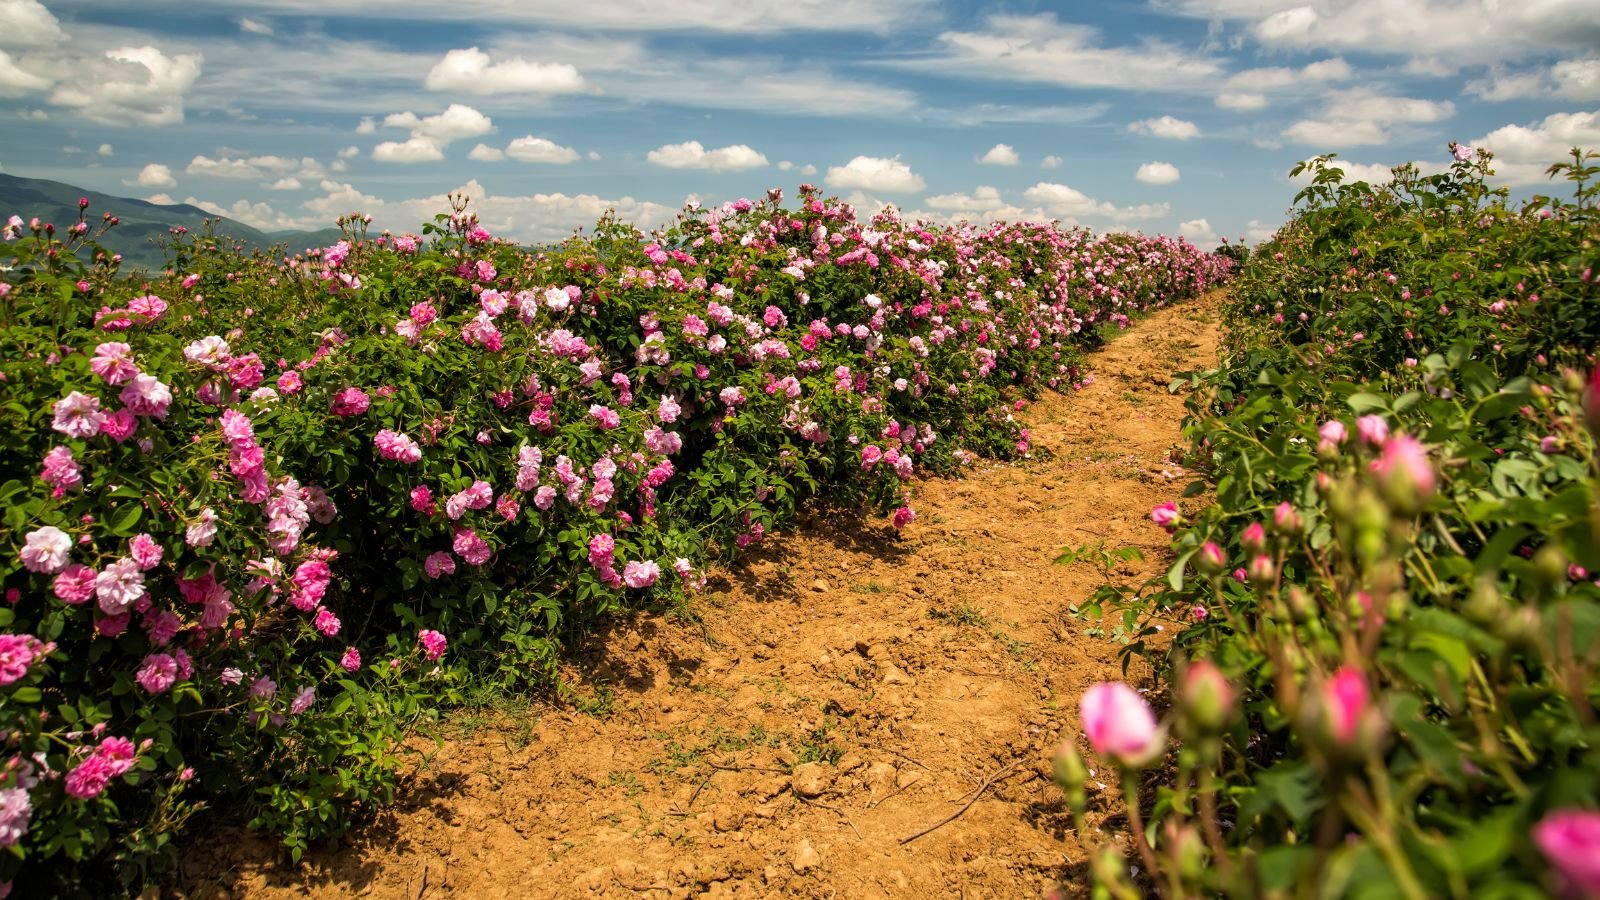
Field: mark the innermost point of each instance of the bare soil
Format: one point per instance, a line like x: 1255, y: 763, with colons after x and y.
x: 842, y: 691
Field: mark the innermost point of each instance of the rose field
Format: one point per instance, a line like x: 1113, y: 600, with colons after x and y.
x: 790, y: 551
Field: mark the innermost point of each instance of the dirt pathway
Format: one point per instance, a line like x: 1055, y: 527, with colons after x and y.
x: 895, y: 676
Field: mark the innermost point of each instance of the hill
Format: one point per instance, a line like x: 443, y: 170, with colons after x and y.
x: 142, y: 222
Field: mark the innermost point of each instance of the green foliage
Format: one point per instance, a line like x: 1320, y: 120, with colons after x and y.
x: 1406, y: 500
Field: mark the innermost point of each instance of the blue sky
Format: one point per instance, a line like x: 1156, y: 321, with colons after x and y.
x: 1158, y: 115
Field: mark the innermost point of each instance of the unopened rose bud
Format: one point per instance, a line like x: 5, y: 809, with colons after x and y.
x: 1342, y: 717
x: 1120, y: 724
x: 1405, y: 473
x: 1206, y: 697
x: 1068, y: 766
x: 1301, y: 606
x: 1286, y: 520
x: 1262, y: 570
x: 1253, y: 538
x: 1484, y: 605
x: 1210, y: 560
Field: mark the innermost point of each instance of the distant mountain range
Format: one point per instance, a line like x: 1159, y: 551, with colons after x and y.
x: 142, y: 222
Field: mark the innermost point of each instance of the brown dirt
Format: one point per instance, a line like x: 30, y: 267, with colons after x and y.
x: 843, y: 690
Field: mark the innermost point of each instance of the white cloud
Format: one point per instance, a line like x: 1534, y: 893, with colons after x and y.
x: 255, y: 26
x: 1319, y: 133
x: 1041, y: 48
x: 593, y: 155
x: 458, y: 121
x: 155, y: 175
x: 1166, y: 127
x: 1524, y: 152
x: 471, y: 71
x: 784, y: 165
x: 1358, y: 118
x: 161, y: 199
x: 1050, y: 162
x: 1157, y: 173
x: 540, y: 150
x: 222, y: 168
x: 691, y: 155
x: 107, y: 150
x: 1230, y: 100
x: 873, y: 173
x: 1364, y: 105
x: 232, y: 164
x: 1070, y: 204
x: 983, y: 205
x: 26, y: 23
x: 16, y: 81
x: 808, y: 169
x: 411, y: 150
x: 486, y: 153
x: 368, y: 126
x: 349, y: 152
x: 287, y: 183
x: 129, y: 86
x: 1000, y: 155
x: 1199, y: 232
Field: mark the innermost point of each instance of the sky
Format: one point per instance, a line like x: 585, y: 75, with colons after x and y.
x: 1164, y: 116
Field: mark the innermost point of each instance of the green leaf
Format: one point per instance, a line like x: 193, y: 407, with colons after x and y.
x: 127, y: 518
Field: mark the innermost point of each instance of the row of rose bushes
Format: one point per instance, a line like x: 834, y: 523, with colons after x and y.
x: 263, y: 516
x: 1385, y: 668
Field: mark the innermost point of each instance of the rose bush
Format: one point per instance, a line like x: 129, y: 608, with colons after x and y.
x: 265, y: 516
x: 1384, y: 667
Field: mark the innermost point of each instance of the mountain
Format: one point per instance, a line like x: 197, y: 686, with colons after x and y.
x: 142, y: 222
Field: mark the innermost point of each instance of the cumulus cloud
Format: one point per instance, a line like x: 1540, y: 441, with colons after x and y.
x: 540, y: 150
x: 1524, y: 152
x: 155, y: 175
x: 26, y: 23
x: 106, y: 150
x: 1050, y: 162
x: 873, y: 173
x: 486, y: 153
x: 411, y: 150
x: 350, y: 151
x: 16, y: 81
x: 255, y: 26
x: 692, y: 155
x: 458, y: 121
x: 1359, y: 117
x: 1199, y: 232
x: 1000, y: 155
x: 232, y: 164
x: 1166, y: 127
x: 287, y: 183
x: 1157, y: 173
x: 129, y: 86
x: 429, y: 134
x: 1068, y: 203
x: 472, y: 71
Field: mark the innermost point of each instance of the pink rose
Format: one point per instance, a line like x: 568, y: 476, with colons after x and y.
x: 1120, y: 724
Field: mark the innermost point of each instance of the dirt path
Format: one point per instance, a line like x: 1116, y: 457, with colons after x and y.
x: 908, y: 672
